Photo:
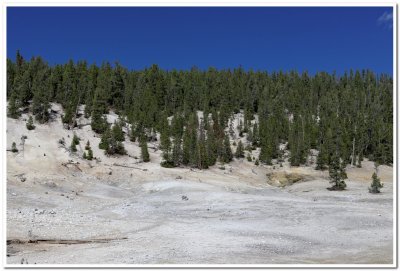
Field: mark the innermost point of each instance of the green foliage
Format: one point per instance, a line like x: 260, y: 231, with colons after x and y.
x: 89, y: 155
x: 74, y: 142
x: 29, y: 124
x: 40, y: 85
x: 13, y: 106
x: 87, y: 147
x: 117, y: 131
x: 144, y: 152
x: 249, y: 157
x: 376, y: 184
x: 226, y: 154
x: 239, y: 150
x: 337, y: 174
x: 75, y: 139
x: 352, y: 113
x: 110, y: 144
x: 99, y: 122
x: 73, y: 147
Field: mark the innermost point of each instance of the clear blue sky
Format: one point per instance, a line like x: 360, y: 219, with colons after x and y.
x: 262, y: 38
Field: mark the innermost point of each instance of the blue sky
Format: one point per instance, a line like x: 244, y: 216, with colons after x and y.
x: 261, y: 38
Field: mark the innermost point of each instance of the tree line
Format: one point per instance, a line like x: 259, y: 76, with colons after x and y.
x: 345, y: 117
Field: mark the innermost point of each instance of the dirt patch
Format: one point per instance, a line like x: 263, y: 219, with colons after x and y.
x: 283, y: 178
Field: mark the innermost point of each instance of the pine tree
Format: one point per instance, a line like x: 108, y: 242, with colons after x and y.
x: 202, y: 160
x: 117, y: 131
x: 75, y: 139
x: 337, y: 174
x: 144, y: 152
x: 255, y: 134
x: 239, y: 150
x: 115, y: 146
x: 376, y: 184
x: 212, y: 147
x: 177, y: 151
x: 73, y: 147
x: 226, y: 155
x: 166, y: 146
x: 90, y: 154
x: 87, y: 147
x: 105, y: 138
x: 13, y: 106
x: 29, y: 124
x: 74, y: 142
x: 40, y: 89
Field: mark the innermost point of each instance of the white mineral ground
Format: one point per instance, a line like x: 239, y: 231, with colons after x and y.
x: 102, y: 213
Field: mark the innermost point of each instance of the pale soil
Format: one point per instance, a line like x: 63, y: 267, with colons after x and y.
x: 232, y: 216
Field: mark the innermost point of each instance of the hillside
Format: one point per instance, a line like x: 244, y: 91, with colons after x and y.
x: 62, y: 209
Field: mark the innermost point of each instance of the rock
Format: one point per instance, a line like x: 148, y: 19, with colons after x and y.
x: 39, y: 212
x: 178, y: 177
x: 62, y: 195
x: 13, y: 194
x: 110, y: 173
x: 52, y: 212
x: 46, y: 192
x: 185, y: 198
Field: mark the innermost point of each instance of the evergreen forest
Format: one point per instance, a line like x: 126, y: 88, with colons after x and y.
x: 345, y: 117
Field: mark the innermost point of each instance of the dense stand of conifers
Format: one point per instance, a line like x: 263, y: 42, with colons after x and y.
x: 346, y: 118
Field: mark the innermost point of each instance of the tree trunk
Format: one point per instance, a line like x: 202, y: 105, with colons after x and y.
x: 352, y: 156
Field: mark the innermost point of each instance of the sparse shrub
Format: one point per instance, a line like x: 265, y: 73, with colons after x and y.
x: 29, y: 124
x: 248, y: 157
x: 222, y: 167
x: 73, y: 147
x: 61, y: 141
x: 115, y: 147
x: 14, y: 147
x: 84, y: 155
x: 87, y: 147
x: 257, y: 162
x: 167, y: 164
